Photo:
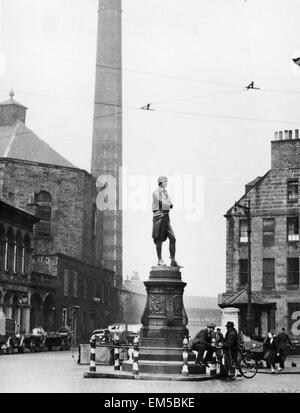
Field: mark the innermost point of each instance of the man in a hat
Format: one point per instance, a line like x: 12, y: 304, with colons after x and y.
x: 203, y: 342
x: 284, y: 344
x: 161, y: 221
x: 231, y: 341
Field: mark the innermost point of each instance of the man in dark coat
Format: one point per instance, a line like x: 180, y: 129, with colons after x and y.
x: 284, y: 344
x: 202, y: 343
x: 271, y: 350
x: 231, y: 341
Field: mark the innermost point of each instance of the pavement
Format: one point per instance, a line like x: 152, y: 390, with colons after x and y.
x: 104, y: 371
x: 58, y: 372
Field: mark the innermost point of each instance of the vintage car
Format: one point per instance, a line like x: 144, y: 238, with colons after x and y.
x: 102, y: 336
x: 61, y: 339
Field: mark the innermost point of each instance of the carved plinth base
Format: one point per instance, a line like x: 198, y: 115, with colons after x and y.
x: 164, y: 322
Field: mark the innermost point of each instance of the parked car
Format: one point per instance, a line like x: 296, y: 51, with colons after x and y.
x: 61, y: 339
x: 102, y: 335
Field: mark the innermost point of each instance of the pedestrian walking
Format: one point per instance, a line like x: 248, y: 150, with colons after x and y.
x: 284, y: 345
x: 271, y: 350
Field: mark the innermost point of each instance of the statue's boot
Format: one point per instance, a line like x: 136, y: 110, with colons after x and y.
x: 174, y: 263
x: 161, y: 263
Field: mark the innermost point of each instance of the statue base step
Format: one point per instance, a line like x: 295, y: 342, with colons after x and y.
x: 163, y: 367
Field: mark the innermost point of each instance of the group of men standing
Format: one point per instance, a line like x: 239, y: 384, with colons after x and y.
x: 207, y: 341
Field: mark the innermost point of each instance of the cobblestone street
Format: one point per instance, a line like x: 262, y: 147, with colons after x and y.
x: 57, y: 372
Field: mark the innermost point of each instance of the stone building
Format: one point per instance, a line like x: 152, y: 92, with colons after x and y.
x: 38, y: 180
x: 16, y: 233
x: 132, y: 298
x: 275, y: 250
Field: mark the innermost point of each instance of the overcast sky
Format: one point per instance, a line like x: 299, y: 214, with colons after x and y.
x: 192, y: 60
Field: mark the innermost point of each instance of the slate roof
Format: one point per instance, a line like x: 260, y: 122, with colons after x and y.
x: 19, y: 142
x: 17, y: 208
x: 12, y: 101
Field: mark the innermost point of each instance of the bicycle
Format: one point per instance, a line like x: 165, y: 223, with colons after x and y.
x: 225, y: 363
x: 246, y: 364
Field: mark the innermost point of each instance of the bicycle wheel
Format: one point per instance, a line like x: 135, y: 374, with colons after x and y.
x: 248, y: 366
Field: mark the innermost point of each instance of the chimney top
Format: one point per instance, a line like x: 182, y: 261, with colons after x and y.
x: 286, y: 135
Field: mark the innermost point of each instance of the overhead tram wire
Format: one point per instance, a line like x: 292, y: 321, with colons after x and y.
x: 147, y: 73
x: 70, y: 123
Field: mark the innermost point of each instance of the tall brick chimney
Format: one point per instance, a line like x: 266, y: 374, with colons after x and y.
x: 11, y: 111
x: 107, y: 133
x: 285, y: 150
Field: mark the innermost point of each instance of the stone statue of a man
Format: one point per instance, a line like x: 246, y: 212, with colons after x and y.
x: 161, y: 221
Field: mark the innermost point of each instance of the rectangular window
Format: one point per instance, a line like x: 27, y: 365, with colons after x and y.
x: 268, y: 273
x: 293, y: 228
x: 243, y: 231
x: 102, y: 292
x: 84, y: 322
x: 243, y: 273
x: 66, y: 283
x: 64, y: 317
x: 44, y: 225
x: 292, y: 190
x: 92, y: 321
x: 84, y: 287
x: 75, y: 284
x: 95, y: 289
x: 268, y: 231
x: 293, y: 271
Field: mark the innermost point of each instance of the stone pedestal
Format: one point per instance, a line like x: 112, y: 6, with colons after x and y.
x: 164, y: 323
x: 230, y: 314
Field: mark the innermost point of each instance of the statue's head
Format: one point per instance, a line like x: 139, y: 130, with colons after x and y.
x: 162, y: 181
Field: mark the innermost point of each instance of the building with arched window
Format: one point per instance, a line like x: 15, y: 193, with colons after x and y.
x: 16, y: 226
x: 62, y: 253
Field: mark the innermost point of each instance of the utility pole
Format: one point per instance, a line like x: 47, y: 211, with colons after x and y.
x: 246, y: 210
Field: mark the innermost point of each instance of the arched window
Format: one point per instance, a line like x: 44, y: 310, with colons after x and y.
x: 19, y: 253
x: 26, y: 259
x: 11, y: 251
x: 43, y: 211
x: 3, y: 248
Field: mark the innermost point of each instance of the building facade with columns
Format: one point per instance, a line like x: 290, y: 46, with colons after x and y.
x: 275, y: 249
x: 16, y: 233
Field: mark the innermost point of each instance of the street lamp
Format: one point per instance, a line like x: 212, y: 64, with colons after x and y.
x: 246, y: 210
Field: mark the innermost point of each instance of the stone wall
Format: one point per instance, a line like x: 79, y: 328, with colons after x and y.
x: 73, y: 194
